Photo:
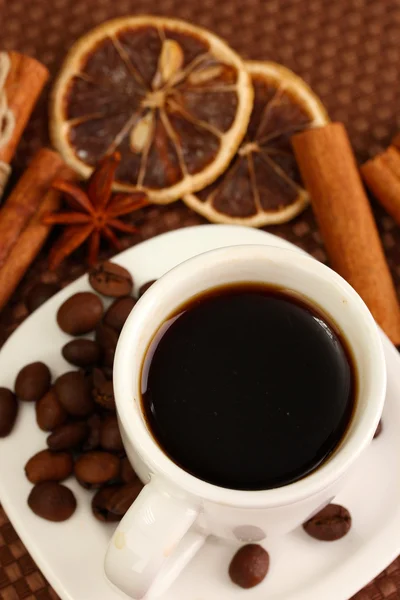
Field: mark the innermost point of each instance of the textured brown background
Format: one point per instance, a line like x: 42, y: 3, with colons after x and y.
x: 348, y: 50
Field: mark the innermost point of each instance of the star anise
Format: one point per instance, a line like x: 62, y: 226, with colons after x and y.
x: 94, y: 213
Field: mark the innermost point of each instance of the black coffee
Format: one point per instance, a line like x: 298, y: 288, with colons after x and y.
x: 248, y: 387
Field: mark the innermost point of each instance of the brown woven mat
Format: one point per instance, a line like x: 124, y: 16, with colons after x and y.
x: 348, y: 50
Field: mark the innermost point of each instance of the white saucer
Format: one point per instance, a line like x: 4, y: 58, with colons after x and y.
x: 70, y: 554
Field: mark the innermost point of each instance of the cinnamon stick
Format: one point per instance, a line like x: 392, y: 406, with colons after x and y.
x: 29, y: 242
x: 382, y: 176
x: 23, y: 83
x: 26, y: 197
x: 345, y: 219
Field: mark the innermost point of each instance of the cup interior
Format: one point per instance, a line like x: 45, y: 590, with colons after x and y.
x: 290, y: 270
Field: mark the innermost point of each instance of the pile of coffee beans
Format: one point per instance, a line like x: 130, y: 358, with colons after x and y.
x: 77, y: 410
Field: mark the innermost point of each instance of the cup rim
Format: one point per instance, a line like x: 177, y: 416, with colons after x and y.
x: 159, y: 463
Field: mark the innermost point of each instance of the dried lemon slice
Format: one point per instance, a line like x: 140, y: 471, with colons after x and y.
x: 262, y: 185
x: 173, y: 98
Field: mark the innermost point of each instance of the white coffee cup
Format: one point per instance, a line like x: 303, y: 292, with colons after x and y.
x: 175, y: 512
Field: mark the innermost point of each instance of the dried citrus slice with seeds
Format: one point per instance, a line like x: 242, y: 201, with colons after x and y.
x: 172, y: 98
x: 262, y: 185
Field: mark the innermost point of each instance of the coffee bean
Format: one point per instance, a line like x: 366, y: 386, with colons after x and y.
x: 49, y: 412
x: 80, y: 314
x: 8, y: 411
x: 107, y: 338
x: 108, y: 372
x: 118, y: 312
x: 143, y: 288
x: 39, y: 294
x: 32, y: 382
x: 100, y: 503
x: 110, y: 437
x: 93, y: 439
x: 74, y: 393
x: 49, y: 466
x: 378, y: 430
x: 96, y: 468
x: 52, y: 501
x: 330, y: 524
x: 103, y: 390
x: 127, y: 474
x: 110, y: 279
x: 249, y: 566
x: 122, y: 499
x: 108, y: 358
x: 69, y: 436
x: 81, y: 352
x: 87, y: 373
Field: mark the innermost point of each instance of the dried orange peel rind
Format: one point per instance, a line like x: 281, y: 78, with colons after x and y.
x: 172, y: 98
x: 262, y: 186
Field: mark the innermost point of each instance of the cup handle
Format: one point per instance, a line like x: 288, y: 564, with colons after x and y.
x: 152, y: 542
